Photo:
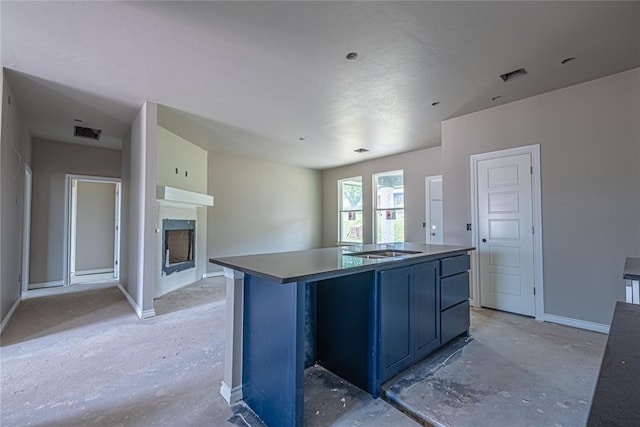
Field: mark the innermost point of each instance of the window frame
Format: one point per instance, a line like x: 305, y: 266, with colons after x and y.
x: 377, y: 209
x: 342, y: 210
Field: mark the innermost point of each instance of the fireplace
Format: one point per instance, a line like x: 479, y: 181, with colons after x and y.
x: 178, y: 243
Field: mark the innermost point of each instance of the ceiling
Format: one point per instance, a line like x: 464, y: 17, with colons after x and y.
x: 253, y: 78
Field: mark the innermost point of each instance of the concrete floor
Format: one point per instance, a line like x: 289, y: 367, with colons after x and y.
x: 79, y: 356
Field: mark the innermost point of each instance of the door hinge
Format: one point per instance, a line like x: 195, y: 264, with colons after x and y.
x: 116, y: 262
x: 534, y: 290
x: 533, y: 230
x: 531, y: 169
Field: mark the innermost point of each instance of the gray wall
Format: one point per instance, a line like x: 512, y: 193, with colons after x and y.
x: 51, y: 161
x: 15, y: 151
x: 95, y: 225
x: 261, y: 206
x: 138, y: 252
x: 589, y: 139
x: 416, y: 165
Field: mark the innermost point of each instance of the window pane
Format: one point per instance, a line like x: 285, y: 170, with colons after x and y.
x: 351, y: 194
x: 351, y: 226
x: 390, y: 226
x: 390, y: 190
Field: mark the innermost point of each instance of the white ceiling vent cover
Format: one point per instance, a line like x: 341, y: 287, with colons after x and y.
x: 515, y: 74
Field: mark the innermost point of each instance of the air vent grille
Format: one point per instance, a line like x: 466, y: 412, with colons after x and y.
x: 521, y: 72
x: 84, y: 132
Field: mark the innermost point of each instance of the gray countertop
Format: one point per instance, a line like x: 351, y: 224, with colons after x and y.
x: 615, y: 399
x: 314, y: 264
x: 632, y: 269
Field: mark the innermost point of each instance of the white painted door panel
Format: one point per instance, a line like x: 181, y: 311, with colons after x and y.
x: 434, y: 210
x: 505, y: 214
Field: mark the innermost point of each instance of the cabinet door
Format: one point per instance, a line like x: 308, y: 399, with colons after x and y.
x: 426, y: 308
x: 396, y: 330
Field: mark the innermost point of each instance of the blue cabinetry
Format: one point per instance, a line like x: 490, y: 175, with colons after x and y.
x: 409, y: 316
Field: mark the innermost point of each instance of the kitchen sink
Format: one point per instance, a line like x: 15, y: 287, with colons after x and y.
x: 382, y: 253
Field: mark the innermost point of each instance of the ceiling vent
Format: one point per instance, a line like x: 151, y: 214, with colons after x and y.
x: 90, y: 133
x: 360, y: 150
x: 514, y: 74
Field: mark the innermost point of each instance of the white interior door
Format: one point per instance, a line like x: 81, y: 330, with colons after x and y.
x: 433, y: 185
x: 505, y: 232
x: 116, y: 238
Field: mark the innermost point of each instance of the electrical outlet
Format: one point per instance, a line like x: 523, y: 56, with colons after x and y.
x: 468, y: 227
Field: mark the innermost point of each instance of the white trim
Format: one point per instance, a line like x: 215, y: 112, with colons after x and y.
x: 95, y: 271
x: 7, y: 318
x: 51, y: 284
x: 427, y: 213
x: 231, y: 395
x: 213, y: 274
x: 141, y: 314
x: 26, y: 227
x: 66, y: 250
x: 538, y: 281
x: 577, y: 323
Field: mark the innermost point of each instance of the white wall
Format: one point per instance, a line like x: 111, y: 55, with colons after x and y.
x: 15, y: 151
x: 590, y: 147
x: 416, y: 165
x: 176, y: 153
x: 95, y: 226
x: 261, y: 206
x: 51, y: 162
x: 138, y: 252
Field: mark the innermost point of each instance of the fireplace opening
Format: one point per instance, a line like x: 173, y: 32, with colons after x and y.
x: 178, y: 245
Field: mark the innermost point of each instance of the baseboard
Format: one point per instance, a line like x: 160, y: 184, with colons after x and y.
x: 41, y: 285
x: 7, y: 318
x: 141, y: 314
x: 96, y: 271
x: 231, y: 395
x: 214, y: 274
x: 577, y: 323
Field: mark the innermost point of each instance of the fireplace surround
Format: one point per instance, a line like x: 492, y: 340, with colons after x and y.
x: 178, y: 243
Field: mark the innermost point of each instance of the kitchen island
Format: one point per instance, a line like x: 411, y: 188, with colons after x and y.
x: 363, y: 312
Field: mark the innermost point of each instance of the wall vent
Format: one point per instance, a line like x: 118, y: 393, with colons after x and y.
x: 90, y: 133
x: 514, y: 74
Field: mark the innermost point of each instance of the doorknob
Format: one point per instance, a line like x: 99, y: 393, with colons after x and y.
x: 484, y: 240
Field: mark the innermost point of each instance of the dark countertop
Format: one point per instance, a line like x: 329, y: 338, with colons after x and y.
x: 615, y: 400
x: 632, y: 269
x: 314, y: 264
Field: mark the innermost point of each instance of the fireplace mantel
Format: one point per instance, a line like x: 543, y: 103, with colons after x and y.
x: 176, y: 195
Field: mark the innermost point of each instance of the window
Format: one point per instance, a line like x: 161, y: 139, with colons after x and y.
x: 389, y: 207
x: 350, y: 204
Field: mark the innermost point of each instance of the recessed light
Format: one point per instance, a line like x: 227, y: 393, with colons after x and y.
x: 352, y: 56
x: 360, y: 150
x: 493, y: 98
x: 77, y: 120
x: 433, y: 104
x: 567, y: 60
x: 302, y: 138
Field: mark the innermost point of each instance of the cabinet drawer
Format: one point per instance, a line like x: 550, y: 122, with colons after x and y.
x: 454, y: 290
x: 454, y: 321
x: 454, y: 265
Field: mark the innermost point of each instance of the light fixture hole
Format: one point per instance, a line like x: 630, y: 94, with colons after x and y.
x: 567, y: 60
x: 433, y: 104
x: 494, y: 98
x: 352, y: 56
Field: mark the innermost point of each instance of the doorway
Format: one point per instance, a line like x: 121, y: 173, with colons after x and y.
x: 92, y: 230
x: 433, y: 209
x: 507, y: 234
x: 26, y: 227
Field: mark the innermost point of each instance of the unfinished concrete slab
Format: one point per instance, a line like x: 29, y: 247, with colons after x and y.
x: 511, y: 371
x: 79, y: 356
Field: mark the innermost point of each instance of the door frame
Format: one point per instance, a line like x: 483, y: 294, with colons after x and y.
x: 68, y: 226
x: 427, y: 194
x: 26, y: 227
x: 538, y: 283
